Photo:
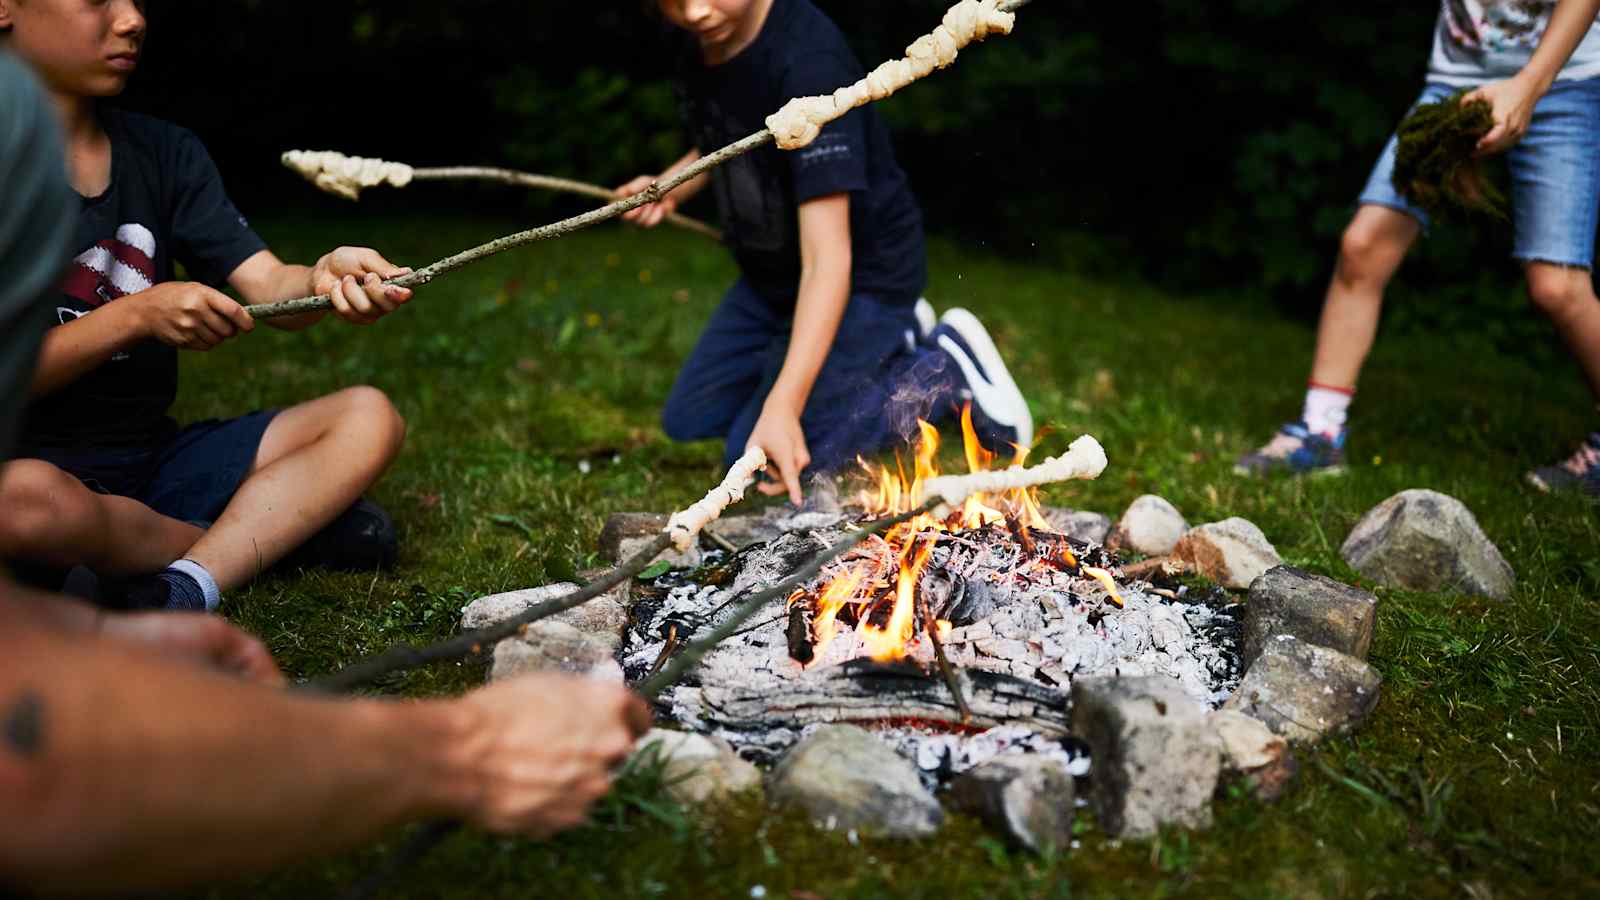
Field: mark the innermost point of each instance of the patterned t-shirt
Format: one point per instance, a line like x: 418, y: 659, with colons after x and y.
x: 1477, y: 41
x: 165, y: 204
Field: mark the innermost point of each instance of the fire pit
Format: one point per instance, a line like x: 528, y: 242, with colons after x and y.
x: 957, y: 637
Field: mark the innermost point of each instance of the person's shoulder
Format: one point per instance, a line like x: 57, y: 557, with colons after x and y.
x: 811, y: 45
x: 143, y: 128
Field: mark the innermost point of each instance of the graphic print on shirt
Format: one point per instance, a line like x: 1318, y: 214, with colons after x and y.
x: 1498, y: 25
x: 113, y: 268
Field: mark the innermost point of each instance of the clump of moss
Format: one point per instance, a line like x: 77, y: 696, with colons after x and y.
x: 1436, y: 166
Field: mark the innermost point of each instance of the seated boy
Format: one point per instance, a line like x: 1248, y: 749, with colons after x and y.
x: 105, y: 478
x: 821, y: 350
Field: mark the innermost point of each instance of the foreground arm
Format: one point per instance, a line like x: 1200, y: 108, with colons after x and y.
x: 1513, y: 99
x: 825, y: 261
x: 651, y: 214
x: 136, y: 774
x: 352, y: 276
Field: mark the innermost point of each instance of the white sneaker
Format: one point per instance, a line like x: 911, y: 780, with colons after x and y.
x: 999, y: 410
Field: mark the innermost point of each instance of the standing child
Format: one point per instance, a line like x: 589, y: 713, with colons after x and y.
x: 107, y: 480
x: 1513, y: 53
x: 821, y: 350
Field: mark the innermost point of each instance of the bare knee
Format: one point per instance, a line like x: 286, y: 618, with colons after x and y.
x: 1561, y: 292
x: 369, y: 412
x: 1368, y: 254
x: 45, y: 512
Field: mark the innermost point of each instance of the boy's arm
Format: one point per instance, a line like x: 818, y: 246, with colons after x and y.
x: 181, y: 314
x: 825, y: 260
x: 1513, y: 99
x: 139, y: 774
x: 352, y: 276
x: 651, y: 214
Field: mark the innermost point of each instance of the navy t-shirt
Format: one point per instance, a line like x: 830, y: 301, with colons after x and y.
x: 800, y: 52
x: 165, y: 203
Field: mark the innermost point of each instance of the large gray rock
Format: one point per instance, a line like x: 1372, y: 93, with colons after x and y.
x: 1150, y: 526
x: 1085, y: 526
x: 844, y: 777
x: 1423, y: 540
x: 696, y: 768
x: 1027, y: 797
x: 1252, y: 753
x: 604, y: 616
x: 626, y: 533
x: 1232, y: 552
x: 1305, y: 692
x: 548, y: 646
x: 1315, y: 609
x: 1156, y: 758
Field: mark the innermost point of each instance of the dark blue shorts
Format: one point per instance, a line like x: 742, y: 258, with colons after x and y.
x: 191, y: 477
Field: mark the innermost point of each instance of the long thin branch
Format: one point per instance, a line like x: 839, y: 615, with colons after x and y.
x: 550, y: 183
x: 651, y: 194
x: 694, y: 652
x: 428, y: 273
x: 404, y: 657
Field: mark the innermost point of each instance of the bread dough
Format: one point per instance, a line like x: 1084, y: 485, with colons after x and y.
x: 346, y: 175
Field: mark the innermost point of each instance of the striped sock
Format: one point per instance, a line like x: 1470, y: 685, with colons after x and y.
x: 1326, y: 409
x: 192, y: 587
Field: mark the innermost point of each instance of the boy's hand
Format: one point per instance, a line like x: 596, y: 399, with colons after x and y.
x: 190, y: 316
x: 197, y: 637
x: 353, y: 277
x: 542, y: 749
x: 779, y: 435
x: 650, y: 214
x: 1512, y: 101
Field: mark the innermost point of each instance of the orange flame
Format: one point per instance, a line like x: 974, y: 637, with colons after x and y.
x: 889, y: 643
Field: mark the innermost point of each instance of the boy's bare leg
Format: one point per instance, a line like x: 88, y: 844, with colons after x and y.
x: 1566, y: 294
x: 1374, y: 244
x: 315, y: 460
x: 49, y: 517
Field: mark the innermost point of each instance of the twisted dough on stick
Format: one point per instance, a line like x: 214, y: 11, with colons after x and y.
x: 346, y: 175
x: 1085, y: 459
x: 686, y: 523
x: 800, y: 120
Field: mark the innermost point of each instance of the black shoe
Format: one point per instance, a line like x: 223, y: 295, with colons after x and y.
x: 360, y: 540
x: 999, y: 411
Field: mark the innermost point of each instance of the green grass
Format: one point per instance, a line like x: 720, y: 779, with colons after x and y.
x: 1478, y: 774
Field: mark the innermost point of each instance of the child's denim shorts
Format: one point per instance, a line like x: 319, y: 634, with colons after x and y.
x: 1555, y: 175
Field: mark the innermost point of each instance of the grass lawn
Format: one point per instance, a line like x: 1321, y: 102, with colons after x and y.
x: 1479, y: 773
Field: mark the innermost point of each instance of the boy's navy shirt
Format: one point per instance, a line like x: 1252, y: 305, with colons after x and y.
x: 165, y: 203
x: 800, y: 52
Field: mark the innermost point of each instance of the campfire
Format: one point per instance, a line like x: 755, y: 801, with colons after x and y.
x: 959, y: 631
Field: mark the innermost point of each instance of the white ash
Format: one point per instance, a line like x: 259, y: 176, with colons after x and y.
x: 1026, y: 621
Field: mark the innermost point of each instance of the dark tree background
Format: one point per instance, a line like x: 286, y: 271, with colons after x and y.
x: 1208, y: 146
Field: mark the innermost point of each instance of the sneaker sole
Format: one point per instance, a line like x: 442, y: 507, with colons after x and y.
x: 1325, y: 472
x: 1006, y: 395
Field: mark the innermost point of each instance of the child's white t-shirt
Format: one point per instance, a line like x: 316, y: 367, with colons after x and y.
x: 1486, y: 40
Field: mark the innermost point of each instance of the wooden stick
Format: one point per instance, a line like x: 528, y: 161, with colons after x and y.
x: 930, y: 624
x: 651, y: 194
x: 404, y: 657
x: 549, y: 183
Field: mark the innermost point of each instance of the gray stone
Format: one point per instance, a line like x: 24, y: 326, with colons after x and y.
x: 696, y: 768
x: 1156, y: 758
x: 1253, y: 754
x: 604, y: 616
x: 1028, y: 797
x: 1314, y: 609
x: 1150, y: 526
x: 1423, y: 540
x: 1305, y: 692
x: 627, y: 533
x: 1085, y: 526
x: 1232, y: 552
x: 844, y: 777
x: 555, y: 646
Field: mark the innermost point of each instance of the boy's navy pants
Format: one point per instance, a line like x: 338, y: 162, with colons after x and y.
x: 876, y: 382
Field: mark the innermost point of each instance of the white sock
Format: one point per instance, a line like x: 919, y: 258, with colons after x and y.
x: 1326, y: 409
x: 208, y: 585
